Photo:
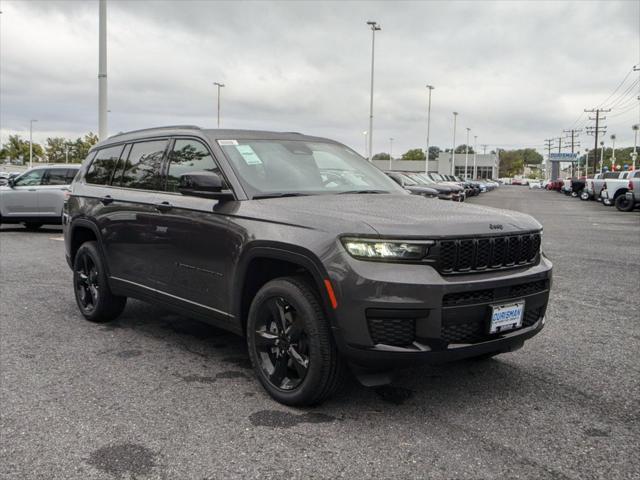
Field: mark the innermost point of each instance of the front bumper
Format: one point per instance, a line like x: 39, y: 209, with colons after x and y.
x: 401, y: 314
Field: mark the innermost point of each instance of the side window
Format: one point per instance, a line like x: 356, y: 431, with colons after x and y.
x: 30, y: 179
x: 142, y: 168
x: 636, y: 174
x: 103, y: 164
x: 188, y: 156
x: 71, y: 174
x: 55, y: 176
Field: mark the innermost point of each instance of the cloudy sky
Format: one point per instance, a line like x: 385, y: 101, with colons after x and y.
x: 518, y: 72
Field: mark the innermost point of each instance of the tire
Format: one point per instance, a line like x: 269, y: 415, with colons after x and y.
x: 574, y: 194
x: 624, y: 204
x: 607, y: 202
x: 32, y: 226
x: 584, y: 196
x: 290, y: 344
x: 91, y: 288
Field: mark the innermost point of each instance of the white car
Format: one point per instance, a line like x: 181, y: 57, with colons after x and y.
x: 535, y: 184
x: 36, y: 197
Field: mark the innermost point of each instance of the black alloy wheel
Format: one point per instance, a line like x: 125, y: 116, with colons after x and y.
x: 86, y: 283
x: 290, y: 343
x: 282, y: 344
x: 624, y: 204
x: 91, y: 287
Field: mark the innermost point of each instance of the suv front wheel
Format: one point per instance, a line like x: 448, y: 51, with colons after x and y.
x: 290, y: 344
x: 93, y: 295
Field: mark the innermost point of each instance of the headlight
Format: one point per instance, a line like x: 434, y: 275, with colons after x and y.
x: 371, y: 249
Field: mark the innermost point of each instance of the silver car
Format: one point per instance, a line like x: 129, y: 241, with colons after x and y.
x: 35, y: 197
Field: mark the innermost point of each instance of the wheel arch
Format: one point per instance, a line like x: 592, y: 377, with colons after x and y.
x: 266, y: 261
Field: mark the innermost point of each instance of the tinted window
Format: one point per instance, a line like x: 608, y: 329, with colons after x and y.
x: 71, y: 174
x: 30, y: 179
x: 56, y: 176
x: 611, y: 175
x: 142, y: 168
x: 188, y: 156
x: 636, y: 174
x: 102, y: 167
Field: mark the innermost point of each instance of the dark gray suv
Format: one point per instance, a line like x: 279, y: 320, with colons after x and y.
x: 296, y: 242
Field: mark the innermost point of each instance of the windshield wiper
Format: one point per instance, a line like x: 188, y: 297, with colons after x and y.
x: 363, y: 191
x: 280, y: 195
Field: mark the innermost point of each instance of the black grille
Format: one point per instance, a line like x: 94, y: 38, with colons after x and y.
x: 463, y: 298
x: 476, y: 331
x: 471, y: 255
x: 527, y: 288
x: 398, y: 332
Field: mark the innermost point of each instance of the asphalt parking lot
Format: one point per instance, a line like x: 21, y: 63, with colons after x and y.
x: 156, y: 395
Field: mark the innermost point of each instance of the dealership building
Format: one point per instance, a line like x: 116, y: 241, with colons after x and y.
x: 486, y: 165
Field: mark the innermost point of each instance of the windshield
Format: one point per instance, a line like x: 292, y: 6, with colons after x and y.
x: 280, y: 167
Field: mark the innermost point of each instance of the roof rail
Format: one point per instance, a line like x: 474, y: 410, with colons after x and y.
x: 167, y: 127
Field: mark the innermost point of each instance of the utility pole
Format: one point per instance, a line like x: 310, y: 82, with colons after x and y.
x: 219, y: 85
x: 453, y: 150
x: 573, y: 133
x: 66, y: 153
x: 426, y: 161
x: 466, y: 156
x: 596, y: 130
x: 548, y: 143
x: 390, y: 152
x: 484, y: 148
x: 634, y: 155
x: 103, y: 128
x: 475, y: 155
x: 374, y: 28
x: 613, y: 151
x: 601, y: 156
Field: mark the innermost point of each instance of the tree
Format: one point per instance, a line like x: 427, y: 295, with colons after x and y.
x: 17, y: 147
x: 434, y: 152
x: 56, y: 149
x: 381, y: 156
x: 460, y: 149
x: 414, y: 154
x: 79, y: 149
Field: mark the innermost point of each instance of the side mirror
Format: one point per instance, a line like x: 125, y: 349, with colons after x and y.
x: 11, y: 182
x: 203, y: 184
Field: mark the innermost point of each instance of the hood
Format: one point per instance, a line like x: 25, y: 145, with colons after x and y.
x: 421, y: 190
x: 387, y: 215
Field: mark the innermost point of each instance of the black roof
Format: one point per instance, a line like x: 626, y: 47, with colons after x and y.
x: 211, y: 133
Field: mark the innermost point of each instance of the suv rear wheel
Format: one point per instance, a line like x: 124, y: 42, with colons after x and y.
x: 290, y: 344
x: 93, y: 295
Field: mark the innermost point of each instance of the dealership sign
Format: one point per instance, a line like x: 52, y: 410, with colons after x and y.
x: 563, y: 157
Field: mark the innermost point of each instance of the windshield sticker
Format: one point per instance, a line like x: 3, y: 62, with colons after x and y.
x: 224, y: 143
x: 250, y: 157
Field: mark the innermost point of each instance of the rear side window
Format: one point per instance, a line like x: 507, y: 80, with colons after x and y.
x: 29, y: 179
x: 56, y: 176
x: 636, y: 174
x: 611, y: 175
x: 103, y: 164
x: 188, y: 156
x: 143, y: 167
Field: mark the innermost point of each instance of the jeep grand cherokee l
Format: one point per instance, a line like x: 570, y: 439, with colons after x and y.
x: 305, y: 248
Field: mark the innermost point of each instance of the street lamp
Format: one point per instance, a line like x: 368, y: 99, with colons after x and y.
x: 426, y: 161
x: 466, y: 155
x: 634, y: 155
x: 374, y: 28
x: 219, y: 85
x: 475, y: 155
x: 31, y: 142
x: 453, y: 150
x: 390, y: 152
x: 613, y: 150
x: 601, y: 156
x: 366, y: 155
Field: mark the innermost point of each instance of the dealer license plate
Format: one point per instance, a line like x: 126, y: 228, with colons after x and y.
x: 506, y: 317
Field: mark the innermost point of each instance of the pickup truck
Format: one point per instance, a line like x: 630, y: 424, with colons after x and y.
x: 631, y: 199
x: 614, y: 188
x: 594, y: 185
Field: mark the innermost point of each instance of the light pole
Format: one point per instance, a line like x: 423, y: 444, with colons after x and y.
x: 31, y: 142
x: 601, y: 156
x: 219, y: 85
x: 466, y: 155
x: 374, y: 28
x: 453, y: 150
x: 475, y: 155
x: 634, y: 155
x: 426, y: 161
x: 366, y: 155
x: 390, y: 152
x: 103, y: 128
x: 66, y: 153
x: 613, y: 151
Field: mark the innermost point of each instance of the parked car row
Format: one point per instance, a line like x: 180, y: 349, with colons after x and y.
x: 621, y: 189
x: 444, y: 187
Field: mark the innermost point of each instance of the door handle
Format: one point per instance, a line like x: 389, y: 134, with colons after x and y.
x: 33, y: 190
x: 163, y: 207
x: 106, y: 200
